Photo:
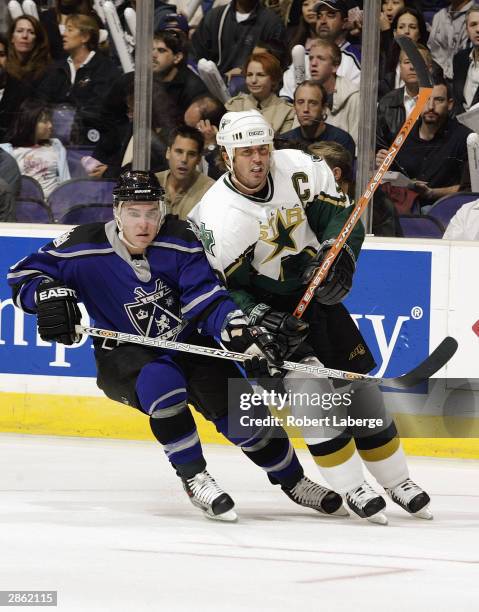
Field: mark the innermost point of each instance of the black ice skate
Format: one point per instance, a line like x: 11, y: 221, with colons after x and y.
x: 312, y: 495
x: 367, y: 504
x: 411, y: 498
x: 205, y: 494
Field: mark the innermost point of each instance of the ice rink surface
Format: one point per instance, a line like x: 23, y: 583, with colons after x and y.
x: 106, y: 524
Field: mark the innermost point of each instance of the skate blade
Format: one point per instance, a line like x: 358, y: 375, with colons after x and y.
x: 423, y: 513
x: 379, y: 519
x: 229, y: 516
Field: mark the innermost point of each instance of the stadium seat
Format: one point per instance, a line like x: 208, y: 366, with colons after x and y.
x: 29, y: 210
x: 81, y: 191
x: 420, y: 226
x: 445, y: 208
x: 31, y: 189
x: 87, y: 214
x: 74, y: 156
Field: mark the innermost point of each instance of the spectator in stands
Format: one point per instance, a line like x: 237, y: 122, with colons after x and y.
x: 330, y: 28
x: 184, y: 186
x: 465, y: 223
x: 114, y: 152
x: 305, y: 31
x: 9, y: 186
x: 277, y: 48
x: 466, y: 66
x: 28, y: 54
x: 83, y: 79
x: 331, y: 25
x: 228, y: 34
x: 407, y: 22
x: 37, y: 154
x: 309, y: 105
x: 343, y: 96
x: 395, y: 106
x: 54, y: 20
x: 434, y: 154
x: 448, y: 34
x: 170, y: 67
x: 262, y: 72
x: 12, y: 91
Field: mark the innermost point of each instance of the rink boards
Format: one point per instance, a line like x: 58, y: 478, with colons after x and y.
x: 408, y: 295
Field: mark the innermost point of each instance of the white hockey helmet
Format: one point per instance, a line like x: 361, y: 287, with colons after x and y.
x: 243, y: 129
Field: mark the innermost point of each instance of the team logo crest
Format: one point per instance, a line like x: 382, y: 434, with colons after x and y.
x: 156, y: 314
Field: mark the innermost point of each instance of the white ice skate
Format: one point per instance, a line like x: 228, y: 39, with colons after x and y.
x: 205, y: 494
x: 367, y: 504
x: 312, y: 495
x: 411, y: 498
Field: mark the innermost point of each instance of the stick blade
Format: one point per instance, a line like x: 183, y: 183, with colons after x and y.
x: 410, y: 49
x: 436, y: 360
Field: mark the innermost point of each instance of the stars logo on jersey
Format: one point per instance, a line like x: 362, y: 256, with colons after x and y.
x: 156, y: 314
x: 282, y: 232
x: 207, y: 239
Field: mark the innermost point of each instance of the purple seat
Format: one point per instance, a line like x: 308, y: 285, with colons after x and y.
x: 32, y: 211
x: 81, y: 191
x: 31, y: 189
x: 87, y: 214
x: 420, y: 226
x: 445, y: 208
x: 74, y: 155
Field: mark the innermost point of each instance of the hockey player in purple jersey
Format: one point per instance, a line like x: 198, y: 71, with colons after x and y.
x: 147, y: 273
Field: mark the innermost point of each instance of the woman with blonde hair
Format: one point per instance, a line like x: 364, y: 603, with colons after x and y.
x: 83, y: 79
x: 262, y: 73
x: 28, y: 54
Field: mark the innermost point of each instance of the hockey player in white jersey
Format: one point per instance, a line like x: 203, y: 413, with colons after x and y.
x: 266, y: 226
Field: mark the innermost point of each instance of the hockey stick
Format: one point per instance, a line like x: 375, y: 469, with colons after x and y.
x: 436, y: 360
x: 425, y: 89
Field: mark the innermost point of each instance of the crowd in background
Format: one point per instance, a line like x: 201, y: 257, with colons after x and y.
x: 66, y: 105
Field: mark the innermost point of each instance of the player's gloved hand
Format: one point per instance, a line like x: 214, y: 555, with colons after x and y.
x: 289, y: 331
x: 336, y: 286
x: 57, y: 312
x: 239, y: 337
x: 269, y: 378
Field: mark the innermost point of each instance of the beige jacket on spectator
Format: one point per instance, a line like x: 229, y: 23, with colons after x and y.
x: 345, y: 111
x: 278, y: 112
x: 186, y: 200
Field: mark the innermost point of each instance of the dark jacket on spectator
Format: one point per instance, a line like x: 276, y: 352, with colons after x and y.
x: 460, y: 66
x: 184, y: 88
x: 9, y: 186
x: 14, y: 94
x: 92, y: 83
x: 391, y: 116
x: 331, y: 133
x: 441, y: 162
x: 237, y: 40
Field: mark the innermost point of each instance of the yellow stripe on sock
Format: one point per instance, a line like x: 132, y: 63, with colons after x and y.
x: 381, y: 452
x: 338, y: 457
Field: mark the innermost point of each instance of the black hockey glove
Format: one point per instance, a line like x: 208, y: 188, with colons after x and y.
x: 339, y: 280
x: 237, y: 336
x: 289, y: 331
x: 57, y: 313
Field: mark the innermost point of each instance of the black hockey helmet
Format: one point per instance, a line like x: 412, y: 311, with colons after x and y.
x: 139, y: 186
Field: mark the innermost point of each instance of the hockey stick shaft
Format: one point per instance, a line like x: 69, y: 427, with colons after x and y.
x: 425, y: 90
x: 428, y: 367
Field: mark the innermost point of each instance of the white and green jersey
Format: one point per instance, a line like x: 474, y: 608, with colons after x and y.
x: 260, y: 243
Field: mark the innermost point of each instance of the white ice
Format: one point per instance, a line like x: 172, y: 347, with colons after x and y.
x: 107, y: 525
